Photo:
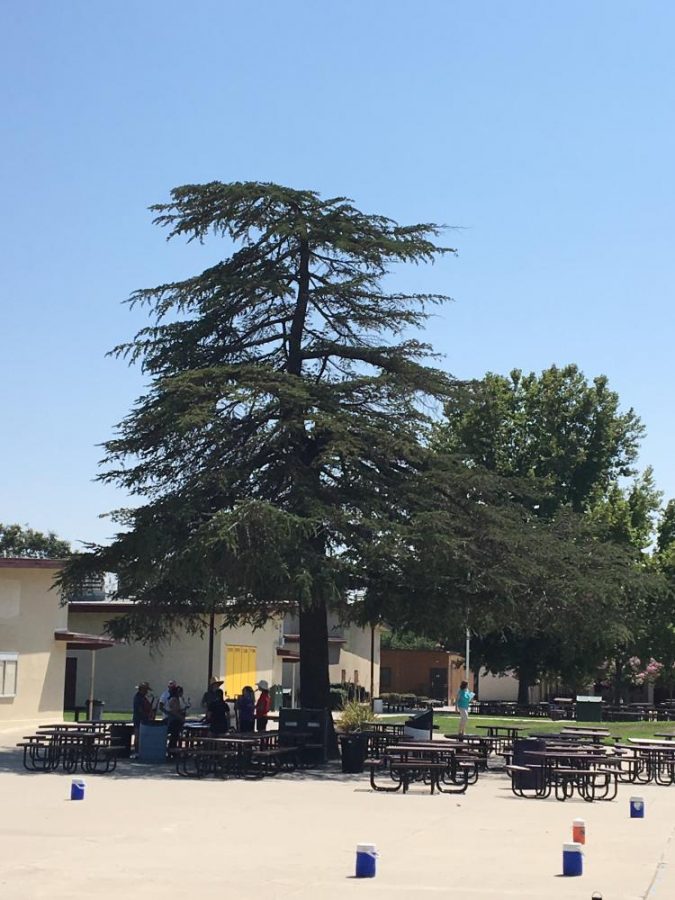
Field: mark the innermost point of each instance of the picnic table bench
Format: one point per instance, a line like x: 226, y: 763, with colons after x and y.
x: 592, y: 776
x: 91, y: 750
x: 440, y: 767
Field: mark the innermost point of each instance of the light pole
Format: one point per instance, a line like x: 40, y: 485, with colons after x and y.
x: 467, y: 654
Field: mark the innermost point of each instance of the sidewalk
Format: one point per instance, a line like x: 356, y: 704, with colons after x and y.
x: 145, y: 833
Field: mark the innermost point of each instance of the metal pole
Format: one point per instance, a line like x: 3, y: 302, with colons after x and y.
x: 467, y: 655
x: 372, y: 665
x: 91, y: 685
x: 212, y: 626
x: 293, y: 665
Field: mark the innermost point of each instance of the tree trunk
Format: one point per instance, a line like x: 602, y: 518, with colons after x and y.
x: 476, y: 681
x: 523, y: 689
x: 314, y: 678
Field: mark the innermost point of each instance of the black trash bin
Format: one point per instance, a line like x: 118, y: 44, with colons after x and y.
x: 353, y: 750
x: 96, y: 711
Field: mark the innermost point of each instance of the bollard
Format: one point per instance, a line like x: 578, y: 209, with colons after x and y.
x: 637, y: 807
x: 572, y: 859
x: 366, y: 854
x: 579, y: 831
x: 77, y: 790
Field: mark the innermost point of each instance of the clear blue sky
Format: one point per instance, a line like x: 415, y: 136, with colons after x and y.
x: 545, y: 130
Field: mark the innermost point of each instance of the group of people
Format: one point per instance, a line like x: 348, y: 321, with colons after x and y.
x: 172, y: 707
x: 251, y: 714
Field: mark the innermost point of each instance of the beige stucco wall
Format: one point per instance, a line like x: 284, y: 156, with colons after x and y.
x: 185, y: 660
x: 354, y: 656
x: 503, y: 687
x: 29, y: 614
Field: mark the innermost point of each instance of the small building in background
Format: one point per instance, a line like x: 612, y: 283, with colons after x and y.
x: 435, y: 674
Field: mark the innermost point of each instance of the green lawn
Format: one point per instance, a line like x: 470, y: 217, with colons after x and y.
x: 109, y: 715
x: 448, y: 724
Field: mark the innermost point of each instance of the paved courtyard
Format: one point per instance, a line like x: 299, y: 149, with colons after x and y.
x: 143, y: 833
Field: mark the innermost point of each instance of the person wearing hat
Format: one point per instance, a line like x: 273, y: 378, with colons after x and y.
x: 164, y: 697
x: 211, y: 693
x: 263, y: 705
x: 142, y: 709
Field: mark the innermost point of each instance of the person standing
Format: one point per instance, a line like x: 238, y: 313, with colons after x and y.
x: 218, y: 716
x: 142, y: 710
x: 164, y: 698
x: 211, y: 693
x: 246, y: 709
x: 463, y: 702
x: 263, y: 706
x: 175, y: 715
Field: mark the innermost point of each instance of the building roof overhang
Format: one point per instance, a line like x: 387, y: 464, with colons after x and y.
x: 76, y: 640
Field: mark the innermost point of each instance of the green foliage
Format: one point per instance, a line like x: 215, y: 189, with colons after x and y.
x: 338, y: 697
x: 560, y: 443
x: 285, y: 416
x: 406, y: 640
x: 354, y: 717
x: 21, y: 541
x: 556, y: 427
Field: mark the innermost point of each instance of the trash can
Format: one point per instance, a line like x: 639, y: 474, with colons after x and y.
x: 120, y: 736
x: 353, y: 751
x: 152, y: 742
x: 277, y: 697
x: 588, y: 709
x: 96, y: 711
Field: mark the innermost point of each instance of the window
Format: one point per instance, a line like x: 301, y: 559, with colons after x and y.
x: 343, y: 676
x: 356, y: 676
x: 385, y: 677
x: 8, y: 666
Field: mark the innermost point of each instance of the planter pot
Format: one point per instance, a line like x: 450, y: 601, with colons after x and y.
x: 353, y: 749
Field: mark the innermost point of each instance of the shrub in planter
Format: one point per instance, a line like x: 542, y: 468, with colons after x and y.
x: 352, y: 726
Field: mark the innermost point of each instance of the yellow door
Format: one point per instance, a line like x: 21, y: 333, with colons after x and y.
x: 240, y: 668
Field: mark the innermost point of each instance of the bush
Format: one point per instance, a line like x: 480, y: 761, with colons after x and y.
x: 354, y: 717
x: 338, y: 697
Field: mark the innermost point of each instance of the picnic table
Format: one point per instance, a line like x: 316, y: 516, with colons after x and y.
x: 588, y: 771
x: 432, y: 763
x: 239, y: 755
x: 648, y: 760
x: 92, y: 750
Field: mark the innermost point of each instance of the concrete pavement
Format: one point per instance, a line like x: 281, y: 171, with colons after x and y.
x: 144, y: 832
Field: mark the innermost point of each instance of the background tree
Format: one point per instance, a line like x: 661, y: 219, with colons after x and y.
x: 568, y: 441
x: 557, y: 427
x: 626, y: 516
x: 22, y: 541
x: 284, y: 418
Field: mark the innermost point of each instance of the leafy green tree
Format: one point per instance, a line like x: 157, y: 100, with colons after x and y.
x: 627, y: 516
x: 557, y: 427
x: 285, y: 417
x: 21, y: 541
x: 568, y: 441
x: 658, y: 633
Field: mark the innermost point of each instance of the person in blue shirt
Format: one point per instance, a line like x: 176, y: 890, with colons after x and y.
x: 463, y: 702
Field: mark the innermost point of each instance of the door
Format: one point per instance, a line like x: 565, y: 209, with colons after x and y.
x: 240, y: 668
x: 438, y: 684
x: 70, y: 687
